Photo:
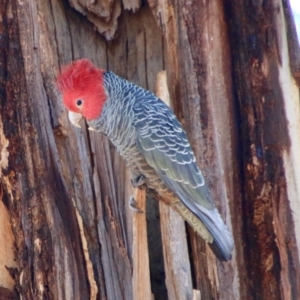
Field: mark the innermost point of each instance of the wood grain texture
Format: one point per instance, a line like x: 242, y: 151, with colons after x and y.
x: 66, y: 189
x: 132, y: 5
x: 6, y: 294
x: 103, y: 14
x: 175, y: 248
x: 292, y: 40
x: 7, y: 251
x: 205, y: 106
x: 262, y: 75
x: 56, y: 163
x: 140, y: 255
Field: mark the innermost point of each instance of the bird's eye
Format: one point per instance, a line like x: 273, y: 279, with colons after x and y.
x: 79, y: 102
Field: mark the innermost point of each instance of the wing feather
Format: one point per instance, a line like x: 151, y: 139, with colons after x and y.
x: 165, y: 146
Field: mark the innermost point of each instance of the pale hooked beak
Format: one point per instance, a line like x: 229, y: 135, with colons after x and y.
x: 75, y: 118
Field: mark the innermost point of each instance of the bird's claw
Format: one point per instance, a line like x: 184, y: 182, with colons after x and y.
x: 133, y: 205
x: 139, y: 181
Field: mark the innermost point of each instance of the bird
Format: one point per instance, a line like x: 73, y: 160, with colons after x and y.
x: 151, y: 140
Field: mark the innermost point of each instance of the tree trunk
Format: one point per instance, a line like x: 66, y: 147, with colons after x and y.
x: 66, y: 231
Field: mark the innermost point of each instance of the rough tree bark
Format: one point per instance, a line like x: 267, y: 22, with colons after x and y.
x: 66, y: 231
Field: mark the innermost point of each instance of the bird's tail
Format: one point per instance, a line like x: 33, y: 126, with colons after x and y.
x: 222, y: 243
x: 210, y: 226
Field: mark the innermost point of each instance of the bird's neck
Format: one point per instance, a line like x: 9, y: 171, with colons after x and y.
x: 117, y: 115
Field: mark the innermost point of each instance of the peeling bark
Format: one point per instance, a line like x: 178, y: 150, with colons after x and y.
x: 259, y: 67
x: 232, y: 72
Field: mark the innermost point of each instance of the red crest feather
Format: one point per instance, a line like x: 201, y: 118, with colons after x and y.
x: 78, y: 75
x: 82, y: 80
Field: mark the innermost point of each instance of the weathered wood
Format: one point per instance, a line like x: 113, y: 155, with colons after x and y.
x: 175, y: 248
x: 6, y: 294
x: 7, y: 251
x: 103, y: 14
x: 63, y: 158
x: 196, y: 295
x: 140, y: 254
x: 89, y: 266
x: 132, y: 5
x: 198, y: 64
x: 266, y: 93
x: 292, y: 40
x: 66, y: 189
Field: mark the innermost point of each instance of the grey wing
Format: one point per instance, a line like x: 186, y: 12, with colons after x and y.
x: 165, y: 146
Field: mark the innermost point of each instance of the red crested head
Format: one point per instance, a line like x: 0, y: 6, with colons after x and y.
x: 81, y: 85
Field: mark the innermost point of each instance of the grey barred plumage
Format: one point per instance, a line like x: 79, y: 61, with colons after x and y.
x: 153, y: 143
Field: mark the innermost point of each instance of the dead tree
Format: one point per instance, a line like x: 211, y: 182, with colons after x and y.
x: 232, y: 69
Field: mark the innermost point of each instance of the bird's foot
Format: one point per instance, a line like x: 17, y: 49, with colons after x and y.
x: 139, y: 181
x: 133, y: 205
